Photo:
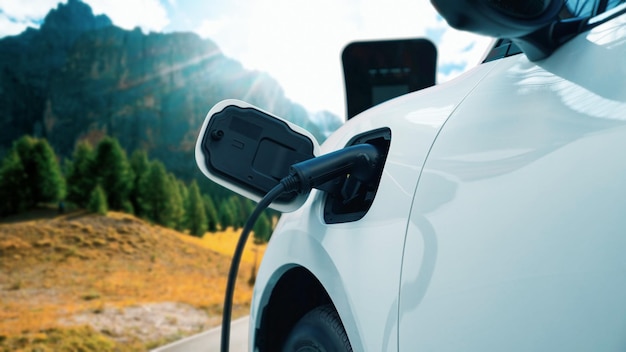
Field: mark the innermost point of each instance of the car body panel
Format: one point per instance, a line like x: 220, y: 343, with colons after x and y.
x: 360, y: 285
x: 517, y: 238
x: 498, y: 221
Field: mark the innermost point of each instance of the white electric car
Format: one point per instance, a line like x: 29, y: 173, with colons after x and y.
x: 492, y: 218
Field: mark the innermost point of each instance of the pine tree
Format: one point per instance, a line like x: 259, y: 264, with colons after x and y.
x: 154, y: 192
x: 114, y: 172
x: 185, y: 221
x: 262, y: 229
x: 81, y: 175
x: 196, y: 211
x: 175, y: 210
x: 24, y: 147
x: 12, y: 181
x: 161, y: 196
x: 213, y: 220
x: 140, y: 165
x: 98, y: 201
x: 51, y: 184
x: 226, y: 214
x: 241, y: 208
x: 43, y: 182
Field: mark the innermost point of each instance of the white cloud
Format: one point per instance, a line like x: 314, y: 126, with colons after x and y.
x: 459, y: 51
x: 31, y: 9
x: 16, y: 16
x: 299, y: 42
x: 149, y: 15
x: 212, y: 28
x: 11, y: 26
x: 397, y: 18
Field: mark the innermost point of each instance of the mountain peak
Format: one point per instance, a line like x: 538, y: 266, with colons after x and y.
x: 75, y: 16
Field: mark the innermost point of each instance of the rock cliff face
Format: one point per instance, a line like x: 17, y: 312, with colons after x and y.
x: 79, y: 77
x: 29, y: 61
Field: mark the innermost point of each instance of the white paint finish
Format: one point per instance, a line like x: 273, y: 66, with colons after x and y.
x: 514, y: 240
x: 517, y: 237
x: 359, y: 262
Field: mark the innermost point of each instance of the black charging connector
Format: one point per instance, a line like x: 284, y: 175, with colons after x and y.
x: 359, y: 161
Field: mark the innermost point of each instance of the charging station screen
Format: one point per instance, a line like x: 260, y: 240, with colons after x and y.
x: 377, y: 71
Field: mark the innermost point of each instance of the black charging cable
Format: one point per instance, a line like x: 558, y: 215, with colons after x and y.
x: 360, y: 161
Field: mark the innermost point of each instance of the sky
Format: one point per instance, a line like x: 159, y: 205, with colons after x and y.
x: 298, y: 42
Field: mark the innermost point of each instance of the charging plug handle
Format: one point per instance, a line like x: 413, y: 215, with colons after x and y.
x: 360, y: 161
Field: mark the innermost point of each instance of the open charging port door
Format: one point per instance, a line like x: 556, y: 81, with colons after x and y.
x: 249, y: 151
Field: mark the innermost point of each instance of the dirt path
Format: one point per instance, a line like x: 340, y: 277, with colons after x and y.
x: 163, y: 321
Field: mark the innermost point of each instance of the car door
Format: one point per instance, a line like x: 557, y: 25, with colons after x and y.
x: 517, y: 232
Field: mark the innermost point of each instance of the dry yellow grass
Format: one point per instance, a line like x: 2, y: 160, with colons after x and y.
x: 224, y: 242
x: 54, y: 268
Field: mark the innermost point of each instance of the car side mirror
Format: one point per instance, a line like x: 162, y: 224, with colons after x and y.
x: 498, y: 18
x: 248, y: 151
x: 531, y: 25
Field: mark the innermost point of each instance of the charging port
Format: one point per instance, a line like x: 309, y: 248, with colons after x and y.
x: 349, y: 198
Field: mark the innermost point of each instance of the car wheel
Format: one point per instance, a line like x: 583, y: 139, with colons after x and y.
x: 318, y: 330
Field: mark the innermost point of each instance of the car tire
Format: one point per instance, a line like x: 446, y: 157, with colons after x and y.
x: 318, y: 330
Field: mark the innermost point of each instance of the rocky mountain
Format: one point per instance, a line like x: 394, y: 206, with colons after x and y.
x: 79, y: 77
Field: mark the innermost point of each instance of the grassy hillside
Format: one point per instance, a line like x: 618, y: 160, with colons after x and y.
x: 82, y: 281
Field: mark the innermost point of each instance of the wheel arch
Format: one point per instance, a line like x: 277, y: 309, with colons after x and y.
x: 297, y: 292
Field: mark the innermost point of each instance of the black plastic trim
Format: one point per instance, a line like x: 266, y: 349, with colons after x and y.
x: 252, y: 149
x: 347, y: 198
